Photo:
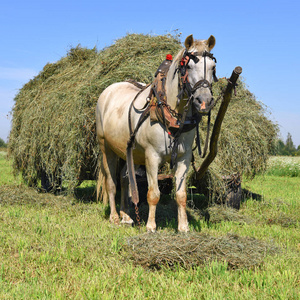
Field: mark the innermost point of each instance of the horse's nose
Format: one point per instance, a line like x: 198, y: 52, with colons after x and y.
x: 205, y: 102
x: 211, y: 101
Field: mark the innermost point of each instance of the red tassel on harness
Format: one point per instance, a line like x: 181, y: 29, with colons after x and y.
x: 184, y: 61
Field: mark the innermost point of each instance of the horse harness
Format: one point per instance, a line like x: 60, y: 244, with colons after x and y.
x: 185, y: 88
x: 158, y: 108
x: 159, y: 111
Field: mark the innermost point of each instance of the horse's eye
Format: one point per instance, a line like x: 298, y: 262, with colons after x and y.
x: 188, y: 67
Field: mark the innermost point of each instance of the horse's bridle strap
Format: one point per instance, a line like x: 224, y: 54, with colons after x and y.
x: 203, y: 83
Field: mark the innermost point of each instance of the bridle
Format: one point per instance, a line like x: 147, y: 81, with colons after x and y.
x: 184, y: 83
x: 185, y: 88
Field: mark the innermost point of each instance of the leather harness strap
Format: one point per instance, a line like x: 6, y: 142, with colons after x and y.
x: 129, y: 154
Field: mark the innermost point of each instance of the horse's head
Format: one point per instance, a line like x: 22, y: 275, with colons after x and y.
x: 197, y: 68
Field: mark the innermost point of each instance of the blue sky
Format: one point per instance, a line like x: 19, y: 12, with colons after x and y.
x: 261, y: 36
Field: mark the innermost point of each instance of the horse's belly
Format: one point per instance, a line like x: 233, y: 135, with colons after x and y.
x: 116, y: 137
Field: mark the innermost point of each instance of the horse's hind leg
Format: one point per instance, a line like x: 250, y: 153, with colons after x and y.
x: 109, y: 165
x: 124, y: 209
x: 101, y: 187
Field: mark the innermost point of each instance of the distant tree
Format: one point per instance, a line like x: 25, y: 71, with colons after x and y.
x: 2, y: 144
x: 287, y: 148
x: 297, y: 153
x: 289, y: 145
x: 279, y: 148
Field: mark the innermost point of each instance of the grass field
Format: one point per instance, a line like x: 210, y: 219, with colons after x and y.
x: 284, y: 166
x: 56, y: 247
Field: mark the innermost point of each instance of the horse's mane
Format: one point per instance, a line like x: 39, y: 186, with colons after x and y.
x: 198, y: 46
x: 139, y: 85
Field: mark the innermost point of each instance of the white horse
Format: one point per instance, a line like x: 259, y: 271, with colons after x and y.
x: 153, y: 144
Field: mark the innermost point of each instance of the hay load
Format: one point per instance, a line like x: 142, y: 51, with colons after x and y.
x: 53, y: 126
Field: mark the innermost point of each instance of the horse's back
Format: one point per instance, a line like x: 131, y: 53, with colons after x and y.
x: 112, y: 115
x: 115, y: 96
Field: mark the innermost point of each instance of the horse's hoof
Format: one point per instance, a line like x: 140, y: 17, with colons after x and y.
x: 127, y: 222
x: 125, y: 219
x: 114, y: 219
x: 183, y: 229
x: 151, y: 229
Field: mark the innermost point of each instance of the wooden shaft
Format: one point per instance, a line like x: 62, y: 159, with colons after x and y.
x: 213, y: 146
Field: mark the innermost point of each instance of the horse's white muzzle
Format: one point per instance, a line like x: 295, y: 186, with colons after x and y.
x: 203, y: 103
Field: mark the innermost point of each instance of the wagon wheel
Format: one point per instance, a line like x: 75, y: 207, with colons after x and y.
x: 50, y: 183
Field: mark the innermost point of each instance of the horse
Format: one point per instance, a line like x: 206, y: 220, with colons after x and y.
x: 191, y: 73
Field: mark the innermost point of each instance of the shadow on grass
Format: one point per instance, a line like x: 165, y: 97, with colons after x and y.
x: 167, y: 213
x: 246, y: 194
x: 85, y: 194
x: 198, y: 209
x: 198, y: 206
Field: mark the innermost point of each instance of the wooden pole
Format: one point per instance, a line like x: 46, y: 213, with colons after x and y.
x: 213, y: 146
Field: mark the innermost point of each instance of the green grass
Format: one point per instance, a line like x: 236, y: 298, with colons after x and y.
x: 56, y: 247
x: 6, y: 171
x: 284, y: 166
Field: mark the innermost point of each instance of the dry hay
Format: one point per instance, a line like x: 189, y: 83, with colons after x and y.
x: 219, y: 213
x: 274, y: 214
x: 283, y: 220
x: 166, y: 249
x: 22, y: 195
x: 53, y: 125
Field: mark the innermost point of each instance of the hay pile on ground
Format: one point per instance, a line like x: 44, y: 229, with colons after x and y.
x: 165, y: 249
x: 218, y: 213
x: 53, y: 126
x: 22, y: 195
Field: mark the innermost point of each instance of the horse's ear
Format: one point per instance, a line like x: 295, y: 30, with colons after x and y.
x: 211, y: 42
x: 189, y: 41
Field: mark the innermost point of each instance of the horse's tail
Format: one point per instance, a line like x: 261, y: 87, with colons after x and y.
x: 101, y: 187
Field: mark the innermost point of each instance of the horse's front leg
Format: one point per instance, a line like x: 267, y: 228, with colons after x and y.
x: 181, y: 194
x: 152, y: 162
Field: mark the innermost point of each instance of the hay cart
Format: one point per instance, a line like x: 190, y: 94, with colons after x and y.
x: 53, y: 142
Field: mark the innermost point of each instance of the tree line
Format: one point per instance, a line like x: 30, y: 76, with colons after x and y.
x: 2, y: 143
x: 288, y: 148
